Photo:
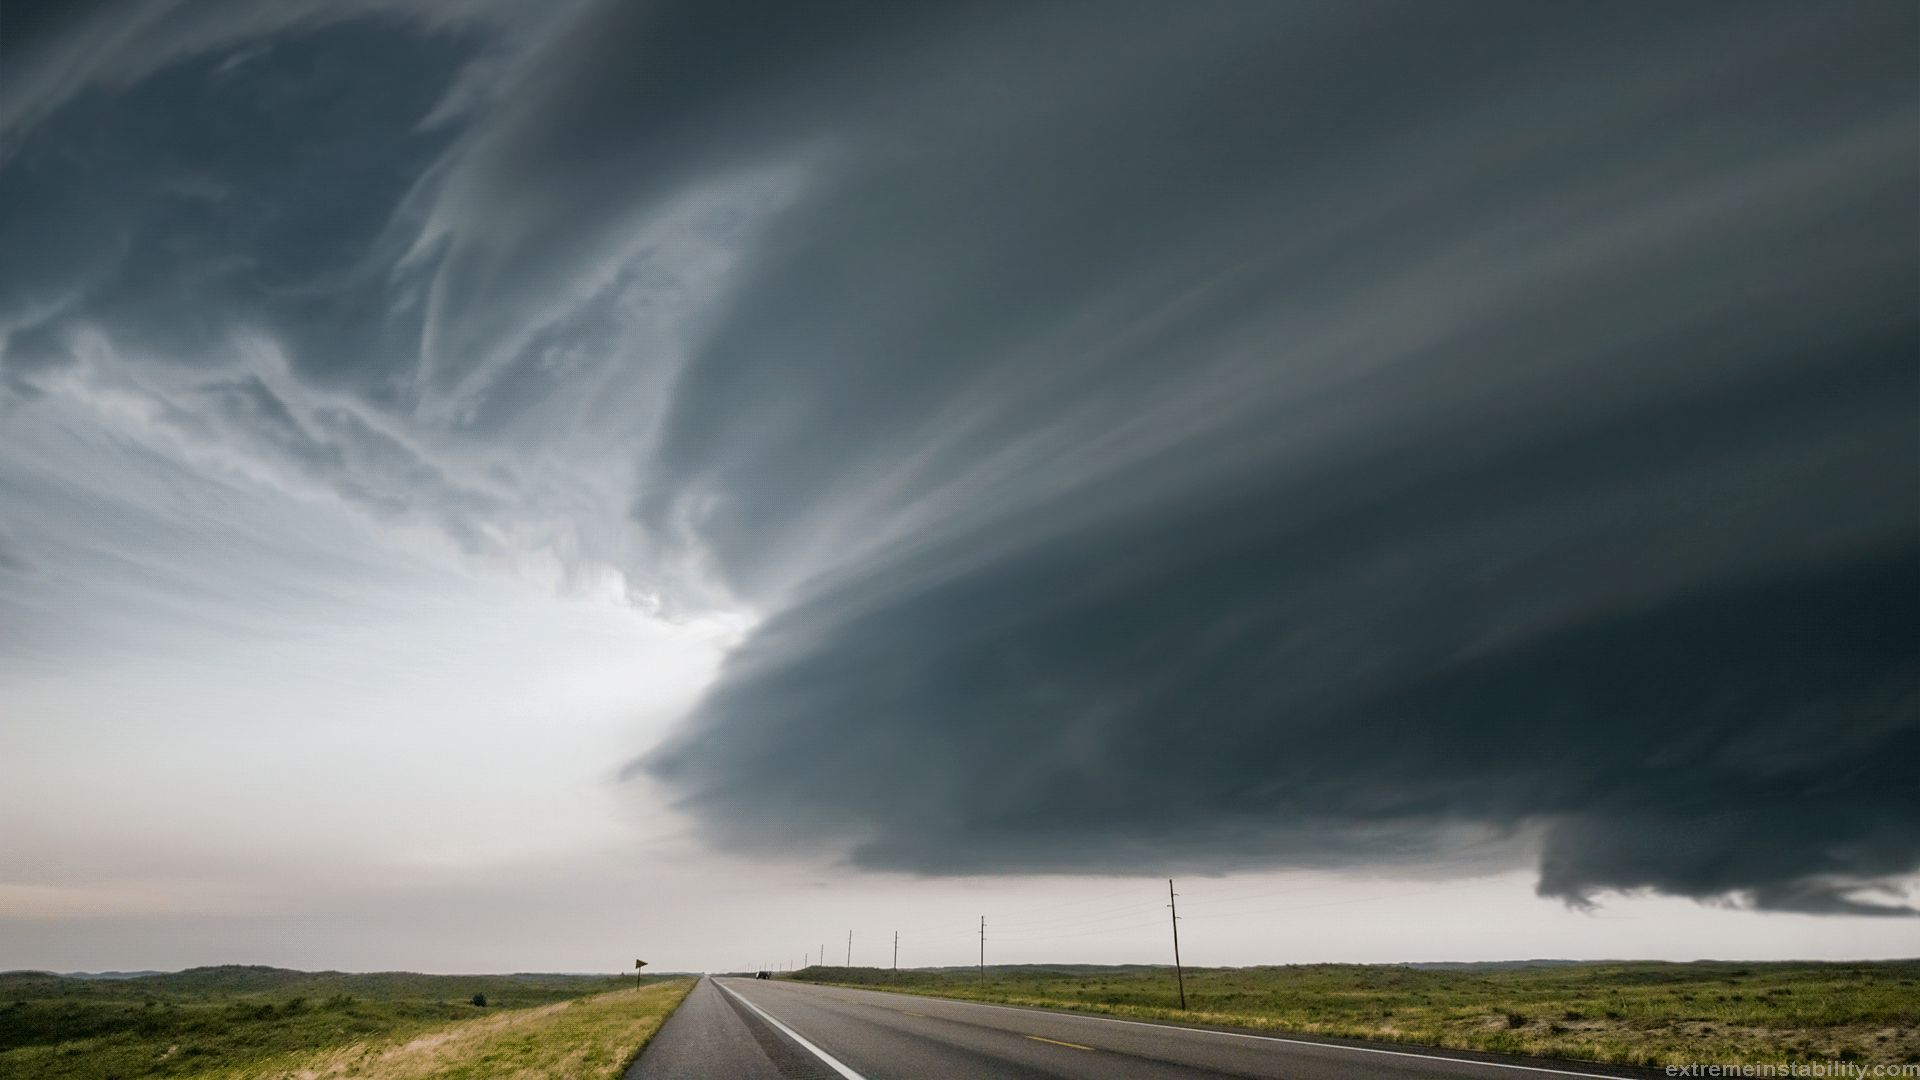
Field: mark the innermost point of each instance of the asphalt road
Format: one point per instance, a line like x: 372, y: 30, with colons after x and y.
x: 747, y: 1029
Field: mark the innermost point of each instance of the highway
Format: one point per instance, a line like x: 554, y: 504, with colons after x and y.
x: 747, y: 1029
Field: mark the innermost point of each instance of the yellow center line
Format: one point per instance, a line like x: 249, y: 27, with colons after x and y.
x: 1057, y: 1042
x: 922, y: 1016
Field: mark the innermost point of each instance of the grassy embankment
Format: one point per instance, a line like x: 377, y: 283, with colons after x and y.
x: 1619, y: 1013
x: 266, y: 1024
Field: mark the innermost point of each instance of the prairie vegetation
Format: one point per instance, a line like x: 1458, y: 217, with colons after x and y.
x: 265, y: 1023
x: 1620, y: 1013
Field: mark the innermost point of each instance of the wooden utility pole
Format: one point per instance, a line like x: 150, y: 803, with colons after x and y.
x: 983, y: 948
x: 1178, y: 975
x: 849, y: 948
x: 896, y: 950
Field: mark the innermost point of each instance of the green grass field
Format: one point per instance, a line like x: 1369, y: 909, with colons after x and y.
x: 263, y: 1022
x: 1619, y: 1013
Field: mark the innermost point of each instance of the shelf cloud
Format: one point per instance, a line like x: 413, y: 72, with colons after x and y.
x: 1148, y: 437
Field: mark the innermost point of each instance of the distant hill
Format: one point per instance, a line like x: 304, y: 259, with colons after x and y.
x: 232, y: 978
x: 242, y: 979
x: 33, y: 982
x: 1020, y: 970
x: 1014, y: 969
x: 236, y: 1016
x: 1498, y: 965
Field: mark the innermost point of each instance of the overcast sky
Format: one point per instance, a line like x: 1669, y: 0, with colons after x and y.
x: 521, y: 486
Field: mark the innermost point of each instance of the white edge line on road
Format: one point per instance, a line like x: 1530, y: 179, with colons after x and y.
x: 832, y: 1062
x: 1262, y: 1038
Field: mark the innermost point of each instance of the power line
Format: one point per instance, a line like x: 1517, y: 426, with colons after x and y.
x: 1341, y: 903
x: 1080, y: 919
x: 1065, y: 916
x: 1130, y: 891
x: 1119, y: 916
x: 1041, y: 913
x: 1290, y: 891
x: 1097, y: 931
x: 1054, y: 922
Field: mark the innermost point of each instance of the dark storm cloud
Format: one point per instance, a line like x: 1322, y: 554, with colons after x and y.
x: 1218, y: 436
x: 1342, y: 441
x: 10, y: 559
x: 237, y: 191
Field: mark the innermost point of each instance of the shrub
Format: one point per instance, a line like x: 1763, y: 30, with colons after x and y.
x: 480, y: 1000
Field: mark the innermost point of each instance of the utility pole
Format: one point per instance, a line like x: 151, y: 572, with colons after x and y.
x: 823, y: 956
x: 983, y: 948
x: 849, y: 948
x: 1179, y: 975
x: 896, y: 950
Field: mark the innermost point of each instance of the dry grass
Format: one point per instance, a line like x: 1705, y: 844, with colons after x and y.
x: 592, y: 1038
x: 1620, y: 1013
x: 239, y: 1020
